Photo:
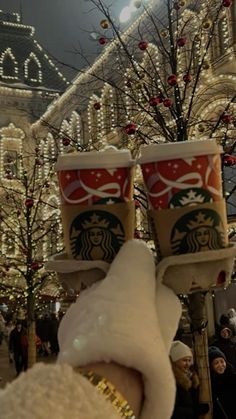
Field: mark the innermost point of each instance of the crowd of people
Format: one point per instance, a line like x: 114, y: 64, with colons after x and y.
x: 222, y: 363
x: 14, y: 332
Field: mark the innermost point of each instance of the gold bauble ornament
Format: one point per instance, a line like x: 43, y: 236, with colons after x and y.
x: 206, y: 65
x: 164, y: 33
x: 207, y: 24
x: 104, y: 24
x: 201, y: 127
x: 182, y: 3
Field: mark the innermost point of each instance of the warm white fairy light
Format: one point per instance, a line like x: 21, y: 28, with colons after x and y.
x: 49, y: 153
x: 94, y: 120
x: 107, y: 110
x: 75, y: 127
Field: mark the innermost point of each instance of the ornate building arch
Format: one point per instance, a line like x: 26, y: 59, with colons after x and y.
x: 8, y: 65
x: 32, y: 69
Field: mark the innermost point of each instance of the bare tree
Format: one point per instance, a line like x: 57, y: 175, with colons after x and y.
x: 30, y: 230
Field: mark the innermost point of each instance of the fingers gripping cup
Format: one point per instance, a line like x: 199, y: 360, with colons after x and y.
x: 184, y: 188
x: 96, y: 190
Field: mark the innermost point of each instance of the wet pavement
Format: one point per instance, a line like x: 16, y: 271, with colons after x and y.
x: 7, y: 369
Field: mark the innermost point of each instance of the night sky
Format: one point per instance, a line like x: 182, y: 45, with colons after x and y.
x: 62, y: 26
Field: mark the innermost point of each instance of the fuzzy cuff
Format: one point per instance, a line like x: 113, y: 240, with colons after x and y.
x: 116, y: 320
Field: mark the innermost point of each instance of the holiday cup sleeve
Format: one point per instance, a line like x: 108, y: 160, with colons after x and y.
x: 194, y: 272
x: 97, y: 232
x: 189, y: 229
x: 75, y: 274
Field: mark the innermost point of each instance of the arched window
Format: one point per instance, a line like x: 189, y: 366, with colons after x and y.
x: 65, y: 136
x: 49, y: 153
x: 8, y: 65
x: 10, y: 163
x: 32, y: 69
x: 10, y: 151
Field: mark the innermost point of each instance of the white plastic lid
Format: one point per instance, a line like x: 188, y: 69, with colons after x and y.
x: 178, y: 150
x: 108, y: 159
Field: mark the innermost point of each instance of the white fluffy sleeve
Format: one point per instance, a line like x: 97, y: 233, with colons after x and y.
x: 53, y: 392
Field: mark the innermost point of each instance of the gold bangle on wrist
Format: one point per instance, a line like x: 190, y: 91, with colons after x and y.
x: 106, y: 388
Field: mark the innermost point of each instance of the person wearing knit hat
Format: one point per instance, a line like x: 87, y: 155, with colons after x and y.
x: 223, y: 385
x: 179, y: 350
x: 187, y: 404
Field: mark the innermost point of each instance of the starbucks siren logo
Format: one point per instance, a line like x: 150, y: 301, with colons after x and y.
x: 96, y: 235
x: 188, y: 197
x: 198, y: 230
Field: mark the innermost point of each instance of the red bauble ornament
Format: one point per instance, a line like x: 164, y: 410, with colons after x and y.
x: 227, y: 3
x: 226, y: 118
x: 181, y: 42
x: 229, y: 160
x: 187, y: 78
x: 102, y: 40
x: 29, y: 202
x: 97, y: 106
x: 143, y: 45
x: 66, y: 141
x: 172, y: 80
x: 154, y: 101
x: 35, y: 266
x: 167, y: 103
x: 221, y: 278
x: 130, y: 129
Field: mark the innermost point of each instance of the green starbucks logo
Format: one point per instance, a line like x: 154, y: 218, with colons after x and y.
x: 198, y: 230
x: 96, y: 235
x: 188, y: 197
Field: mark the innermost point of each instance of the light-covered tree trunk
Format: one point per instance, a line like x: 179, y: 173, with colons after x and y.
x: 197, y: 313
x: 31, y: 332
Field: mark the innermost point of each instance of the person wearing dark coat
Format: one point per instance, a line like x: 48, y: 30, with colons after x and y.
x: 16, y: 346
x: 187, y: 404
x: 223, y: 385
x: 224, y: 341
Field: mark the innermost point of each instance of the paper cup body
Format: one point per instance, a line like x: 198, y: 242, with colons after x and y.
x: 182, y: 174
x: 95, y: 178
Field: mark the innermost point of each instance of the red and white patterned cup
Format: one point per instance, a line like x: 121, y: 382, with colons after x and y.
x: 182, y: 174
x: 95, y: 177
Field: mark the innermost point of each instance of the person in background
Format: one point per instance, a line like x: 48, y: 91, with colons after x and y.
x: 223, y: 385
x: 16, y: 347
x: 2, y: 327
x: 232, y: 318
x: 225, y: 342
x: 8, y: 329
x: 187, y: 404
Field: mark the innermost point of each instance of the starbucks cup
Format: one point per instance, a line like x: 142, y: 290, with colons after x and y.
x: 90, y: 178
x: 97, y: 206
x: 182, y: 174
x: 184, y: 188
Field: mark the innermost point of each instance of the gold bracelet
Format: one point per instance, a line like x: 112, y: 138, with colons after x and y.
x: 106, y: 388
